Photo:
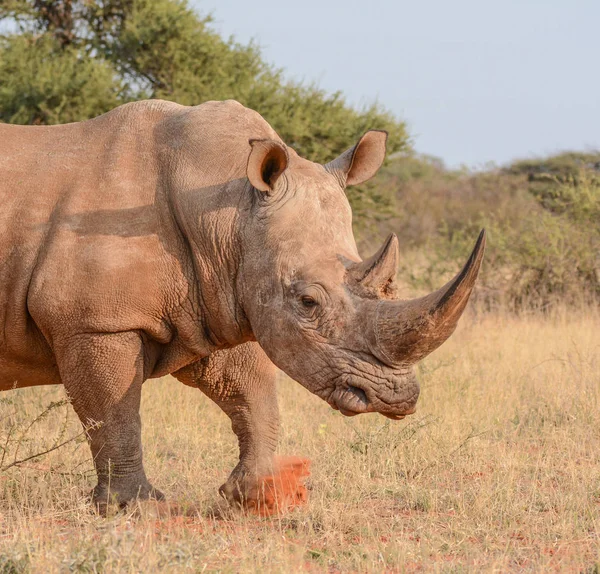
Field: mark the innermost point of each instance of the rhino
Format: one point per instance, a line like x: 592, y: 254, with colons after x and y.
x: 164, y: 239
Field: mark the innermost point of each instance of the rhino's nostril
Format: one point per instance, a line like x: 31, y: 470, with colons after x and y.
x: 359, y: 394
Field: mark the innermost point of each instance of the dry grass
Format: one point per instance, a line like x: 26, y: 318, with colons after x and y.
x: 499, y: 471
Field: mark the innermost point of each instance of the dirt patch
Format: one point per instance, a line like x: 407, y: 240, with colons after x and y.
x: 282, y: 491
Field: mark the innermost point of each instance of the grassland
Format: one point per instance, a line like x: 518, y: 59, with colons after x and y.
x: 499, y: 470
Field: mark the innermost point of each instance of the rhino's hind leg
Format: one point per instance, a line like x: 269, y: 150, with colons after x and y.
x: 242, y: 382
x: 103, y: 376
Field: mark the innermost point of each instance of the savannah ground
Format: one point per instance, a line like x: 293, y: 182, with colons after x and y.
x: 499, y: 470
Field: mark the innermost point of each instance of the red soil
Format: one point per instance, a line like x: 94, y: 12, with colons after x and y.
x: 283, y: 490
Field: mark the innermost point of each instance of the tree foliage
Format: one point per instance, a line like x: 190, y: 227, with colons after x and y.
x: 41, y: 84
x: 68, y: 60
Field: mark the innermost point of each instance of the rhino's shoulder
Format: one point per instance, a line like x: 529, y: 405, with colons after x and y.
x: 226, y: 120
x: 219, y: 132
x: 224, y: 109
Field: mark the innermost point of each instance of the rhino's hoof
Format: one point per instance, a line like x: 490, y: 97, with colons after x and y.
x: 272, y: 494
x: 107, y: 500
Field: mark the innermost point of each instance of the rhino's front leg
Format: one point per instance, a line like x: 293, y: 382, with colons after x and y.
x: 103, y: 376
x: 242, y: 382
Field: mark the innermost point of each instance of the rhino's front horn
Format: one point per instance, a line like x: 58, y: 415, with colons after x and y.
x: 406, y: 331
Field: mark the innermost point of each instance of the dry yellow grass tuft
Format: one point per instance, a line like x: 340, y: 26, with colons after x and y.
x: 499, y: 470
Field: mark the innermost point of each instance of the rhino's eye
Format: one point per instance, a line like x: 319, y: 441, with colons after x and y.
x: 308, y: 301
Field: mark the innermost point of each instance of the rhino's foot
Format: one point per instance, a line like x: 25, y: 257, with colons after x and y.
x: 274, y: 493
x: 116, y: 495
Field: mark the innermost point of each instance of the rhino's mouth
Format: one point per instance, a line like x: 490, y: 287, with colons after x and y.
x: 352, y: 401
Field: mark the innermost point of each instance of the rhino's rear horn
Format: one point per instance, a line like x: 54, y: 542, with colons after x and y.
x: 406, y: 331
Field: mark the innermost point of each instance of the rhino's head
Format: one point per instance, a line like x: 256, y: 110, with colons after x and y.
x: 325, y: 317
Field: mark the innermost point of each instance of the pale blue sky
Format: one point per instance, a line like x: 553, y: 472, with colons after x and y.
x: 476, y: 80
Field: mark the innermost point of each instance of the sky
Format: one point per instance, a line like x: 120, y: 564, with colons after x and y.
x: 477, y: 81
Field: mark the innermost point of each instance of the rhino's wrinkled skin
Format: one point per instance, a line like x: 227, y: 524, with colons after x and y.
x: 163, y: 239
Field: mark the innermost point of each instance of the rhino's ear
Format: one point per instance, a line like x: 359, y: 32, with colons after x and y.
x: 268, y: 160
x: 362, y: 161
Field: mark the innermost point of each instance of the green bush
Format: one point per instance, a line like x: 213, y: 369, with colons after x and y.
x: 543, y: 227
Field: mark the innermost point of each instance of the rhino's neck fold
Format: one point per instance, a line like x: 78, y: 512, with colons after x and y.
x: 209, y: 220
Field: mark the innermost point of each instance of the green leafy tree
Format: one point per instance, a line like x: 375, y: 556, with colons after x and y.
x: 68, y: 60
x: 44, y: 84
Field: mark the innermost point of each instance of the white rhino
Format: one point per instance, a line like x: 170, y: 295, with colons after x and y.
x: 161, y: 239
